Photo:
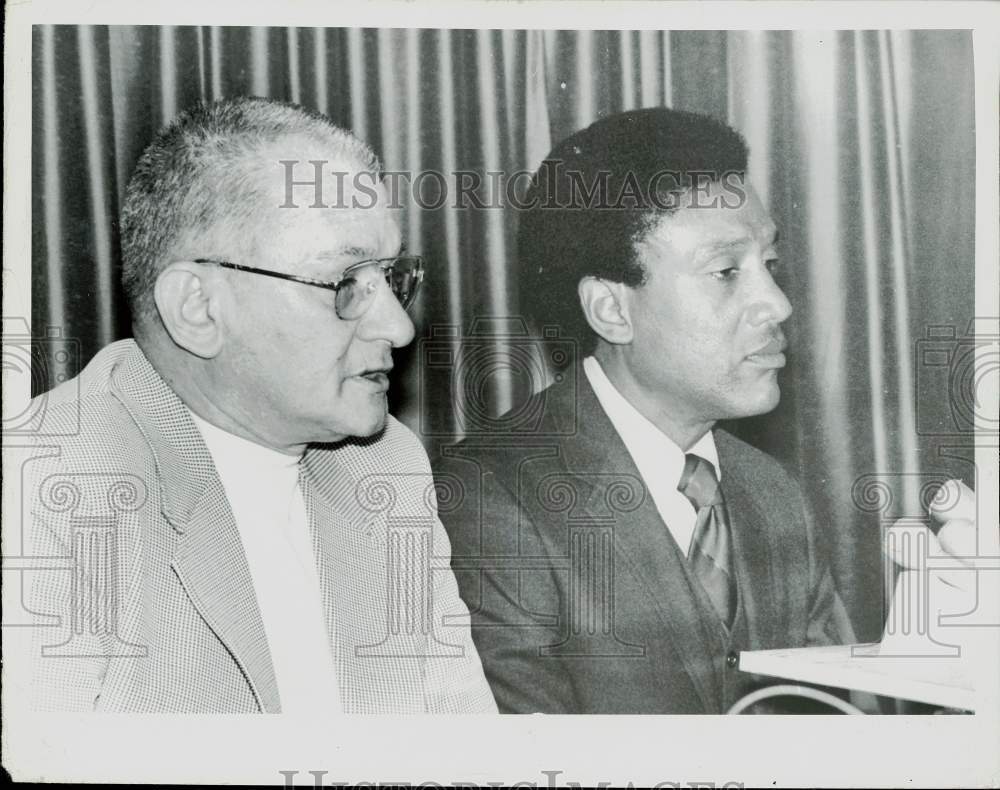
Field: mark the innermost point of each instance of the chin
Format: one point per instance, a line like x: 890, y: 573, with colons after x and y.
x: 753, y: 403
x: 766, y: 402
x: 365, y: 421
x: 372, y: 429
x: 372, y: 424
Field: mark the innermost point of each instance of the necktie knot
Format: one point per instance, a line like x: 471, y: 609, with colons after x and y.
x: 699, y: 482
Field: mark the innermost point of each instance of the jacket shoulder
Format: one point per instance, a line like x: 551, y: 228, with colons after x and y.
x: 395, y: 450
x: 85, y: 420
x: 753, y: 467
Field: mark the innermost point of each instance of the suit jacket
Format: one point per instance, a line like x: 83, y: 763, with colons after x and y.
x: 148, y: 604
x: 581, y: 600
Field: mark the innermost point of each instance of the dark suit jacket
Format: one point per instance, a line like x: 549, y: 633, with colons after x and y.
x: 582, y: 601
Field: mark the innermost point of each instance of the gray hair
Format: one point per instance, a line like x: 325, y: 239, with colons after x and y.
x: 199, y: 178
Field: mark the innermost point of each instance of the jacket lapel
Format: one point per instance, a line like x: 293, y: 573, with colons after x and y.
x: 208, y: 557
x: 351, y: 546
x: 643, y: 543
x: 321, y: 518
x: 211, y: 565
x: 332, y: 537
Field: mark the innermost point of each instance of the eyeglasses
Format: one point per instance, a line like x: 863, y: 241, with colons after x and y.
x: 355, y: 289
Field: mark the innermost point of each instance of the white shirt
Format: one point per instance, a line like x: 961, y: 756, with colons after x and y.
x: 659, y: 460
x: 262, y: 486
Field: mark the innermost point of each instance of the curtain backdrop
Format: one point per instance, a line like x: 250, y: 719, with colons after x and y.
x: 862, y: 145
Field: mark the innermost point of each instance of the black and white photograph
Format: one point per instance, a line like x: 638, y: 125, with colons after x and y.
x: 378, y: 381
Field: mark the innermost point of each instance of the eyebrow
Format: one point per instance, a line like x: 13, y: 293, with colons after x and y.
x: 345, y: 252
x: 354, y: 252
x: 360, y: 253
x: 772, y: 234
x: 720, y: 246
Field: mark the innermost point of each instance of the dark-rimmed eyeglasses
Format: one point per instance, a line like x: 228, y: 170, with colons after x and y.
x: 355, y: 289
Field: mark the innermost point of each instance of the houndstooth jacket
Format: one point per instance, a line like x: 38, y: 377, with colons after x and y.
x: 148, y: 604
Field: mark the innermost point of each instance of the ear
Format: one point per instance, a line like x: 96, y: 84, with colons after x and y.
x: 188, y: 310
x: 605, y: 306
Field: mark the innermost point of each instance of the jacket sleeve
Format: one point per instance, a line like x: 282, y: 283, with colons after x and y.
x: 65, y: 657
x: 828, y: 623
x: 453, y: 675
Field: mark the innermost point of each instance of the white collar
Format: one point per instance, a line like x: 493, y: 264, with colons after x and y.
x: 234, y: 453
x: 653, y: 451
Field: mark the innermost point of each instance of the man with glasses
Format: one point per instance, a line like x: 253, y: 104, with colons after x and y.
x: 252, y: 566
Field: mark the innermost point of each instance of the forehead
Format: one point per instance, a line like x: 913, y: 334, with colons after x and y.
x: 354, y: 221
x: 718, y: 214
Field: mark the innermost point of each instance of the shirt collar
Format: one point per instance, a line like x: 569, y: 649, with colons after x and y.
x: 234, y: 453
x: 652, y: 450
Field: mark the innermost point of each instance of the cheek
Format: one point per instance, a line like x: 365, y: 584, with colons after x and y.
x: 324, y: 347
x: 709, y: 343
x: 693, y: 328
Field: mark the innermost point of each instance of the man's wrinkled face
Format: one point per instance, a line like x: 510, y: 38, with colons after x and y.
x: 304, y: 374
x: 707, y: 337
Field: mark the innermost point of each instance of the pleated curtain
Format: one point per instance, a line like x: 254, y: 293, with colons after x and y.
x: 862, y: 147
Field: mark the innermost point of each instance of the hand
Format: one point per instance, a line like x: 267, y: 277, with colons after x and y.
x: 954, y: 507
x: 944, y: 583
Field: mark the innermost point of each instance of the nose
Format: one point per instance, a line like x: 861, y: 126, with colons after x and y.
x: 770, y: 304
x: 387, y: 320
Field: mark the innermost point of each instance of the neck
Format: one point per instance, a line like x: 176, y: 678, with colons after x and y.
x: 190, y: 377
x: 682, y: 429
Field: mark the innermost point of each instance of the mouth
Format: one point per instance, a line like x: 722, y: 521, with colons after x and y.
x: 377, y: 377
x: 771, y: 354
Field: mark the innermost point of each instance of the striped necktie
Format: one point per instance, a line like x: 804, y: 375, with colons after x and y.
x: 709, y: 553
